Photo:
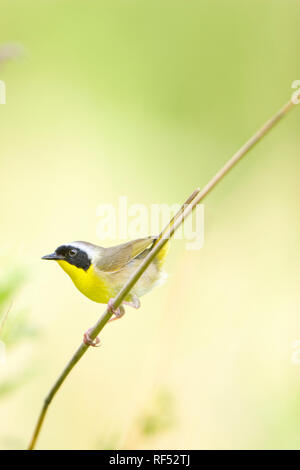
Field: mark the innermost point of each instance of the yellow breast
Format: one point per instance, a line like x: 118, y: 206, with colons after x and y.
x: 90, y: 283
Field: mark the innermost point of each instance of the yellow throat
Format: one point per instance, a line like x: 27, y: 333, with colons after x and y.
x: 89, y: 282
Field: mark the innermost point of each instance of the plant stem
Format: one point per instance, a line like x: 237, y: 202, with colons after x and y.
x: 173, y: 225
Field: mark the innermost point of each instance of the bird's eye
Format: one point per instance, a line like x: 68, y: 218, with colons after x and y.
x: 72, y: 253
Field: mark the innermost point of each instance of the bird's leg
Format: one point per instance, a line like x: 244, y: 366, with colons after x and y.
x: 135, y: 303
x: 88, y: 340
x: 118, y: 312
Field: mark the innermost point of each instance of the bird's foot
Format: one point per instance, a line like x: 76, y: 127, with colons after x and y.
x: 135, y: 303
x: 118, y: 312
x: 89, y: 341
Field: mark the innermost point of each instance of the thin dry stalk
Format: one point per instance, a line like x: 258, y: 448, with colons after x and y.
x: 173, y: 225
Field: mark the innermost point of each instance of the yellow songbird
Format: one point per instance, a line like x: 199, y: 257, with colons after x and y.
x: 99, y: 273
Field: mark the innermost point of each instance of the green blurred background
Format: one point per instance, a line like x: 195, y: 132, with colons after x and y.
x: 148, y: 100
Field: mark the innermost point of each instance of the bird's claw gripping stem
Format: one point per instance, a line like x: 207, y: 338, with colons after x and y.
x: 118, y: 312
x: 89, y: 341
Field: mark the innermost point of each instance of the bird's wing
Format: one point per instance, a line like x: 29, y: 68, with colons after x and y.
x: 116, y: 257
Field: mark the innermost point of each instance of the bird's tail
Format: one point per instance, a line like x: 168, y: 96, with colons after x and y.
x: 161, y: 256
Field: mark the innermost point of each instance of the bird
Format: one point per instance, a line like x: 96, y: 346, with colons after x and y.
x: 99, y: 272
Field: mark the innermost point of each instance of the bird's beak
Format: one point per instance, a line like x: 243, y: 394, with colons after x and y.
x: 52, y: 256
